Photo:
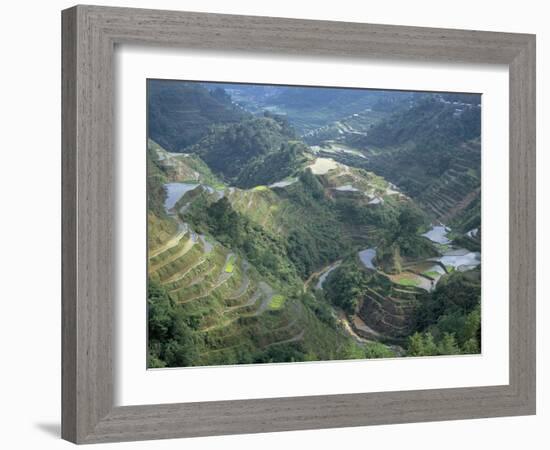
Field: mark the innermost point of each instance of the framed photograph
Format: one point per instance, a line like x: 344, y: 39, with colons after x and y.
x: 277, y: 224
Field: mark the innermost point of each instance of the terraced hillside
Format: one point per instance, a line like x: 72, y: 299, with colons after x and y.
x: 438, y: 164
x: 232, y: 310
x: 387, y: 311
x: 378, y: 306
x: 262, y: 248
x: 337, y: 132
x: 457, y: 187
x: 252, y: 152
x: 311, y: 109
x: 391, y: 307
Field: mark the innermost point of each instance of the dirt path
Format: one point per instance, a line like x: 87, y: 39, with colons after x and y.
x: 187, y: 246
x: 172, y: 242
x: 242, y: 288
x: 251, y: 301
x: 348, y: 328
x: 295, y: 338
x: 263, y: 306
x: 319, y: 273
x: 178, y: 275
x: 340, y: 314
x: 208, y: 291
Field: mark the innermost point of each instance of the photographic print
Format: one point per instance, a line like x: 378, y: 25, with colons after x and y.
x: 294, y: 223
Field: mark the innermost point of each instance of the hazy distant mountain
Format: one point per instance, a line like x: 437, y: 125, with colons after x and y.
x: 308, y: 108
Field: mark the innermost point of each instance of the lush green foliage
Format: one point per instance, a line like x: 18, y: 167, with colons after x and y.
x: 451, y: 311
x: 345, y: 286
x: 172, y: 342
x: 266, y: 251
x: 243, y: 291
x: 315, y: 237
x: 272, y: 167
x: 277, y: 301
x: 431, y: 124
x: 471, y: 217
x: 155, y: 185
x: 398, y: 224
x: 431, y: 151
x: 252, y: 152
x: 179, y: 114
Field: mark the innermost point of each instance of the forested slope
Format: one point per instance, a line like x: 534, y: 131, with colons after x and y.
x: 226, y: 282
x: 264, y: 249
x: 179, y: 114
x: 432, y: 151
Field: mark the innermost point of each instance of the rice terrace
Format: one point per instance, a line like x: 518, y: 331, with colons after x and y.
x: 292, y: 224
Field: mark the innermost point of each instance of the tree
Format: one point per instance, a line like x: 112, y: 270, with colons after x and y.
x: 471, y: 346
x: 448, y: 345
x: 422, y: 345
x: 416, y: 345
x: 312, y: 184
x: 345, y: 287
x: 223, y: 220
x: 410, y: 219
x: 472, y: 326
x: 171, y: 340
x: 430, y: 347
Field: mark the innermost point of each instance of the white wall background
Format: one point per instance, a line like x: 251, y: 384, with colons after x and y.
x: 30, y: 226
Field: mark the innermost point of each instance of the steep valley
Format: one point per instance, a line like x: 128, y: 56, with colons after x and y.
x: 262, y: 248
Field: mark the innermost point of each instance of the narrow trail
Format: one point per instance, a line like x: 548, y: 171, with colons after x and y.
x: 186, y: 247
x: 209, y: 291
x: 242, y: 288
x: 179, y: 275
x: 295, y: 338
x: 319, y: 273
x: 251, y: 301
x: 340, y: 314
x: 172, y: 242
x: 343, y: 320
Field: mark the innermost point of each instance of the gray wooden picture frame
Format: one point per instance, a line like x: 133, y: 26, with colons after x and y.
x: 90, y: 34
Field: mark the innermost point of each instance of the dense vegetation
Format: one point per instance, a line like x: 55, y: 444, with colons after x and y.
x: 431, y: 124
x: 252, y: 152
x: 234, y: 230
x: 172, y: 342
x: 448, y: 321
x: 345, y: 286
x: 276, y: 253
x: 312, y: 237
x: 315, y: 238
x: 430, y: 150
x: 471, y: 216
x: 424, y: 137
x: 155, y: 185
x: 179, y: 114
x: 398, y: 225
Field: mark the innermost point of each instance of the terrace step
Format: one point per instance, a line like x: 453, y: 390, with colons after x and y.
x: 171, y: 242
